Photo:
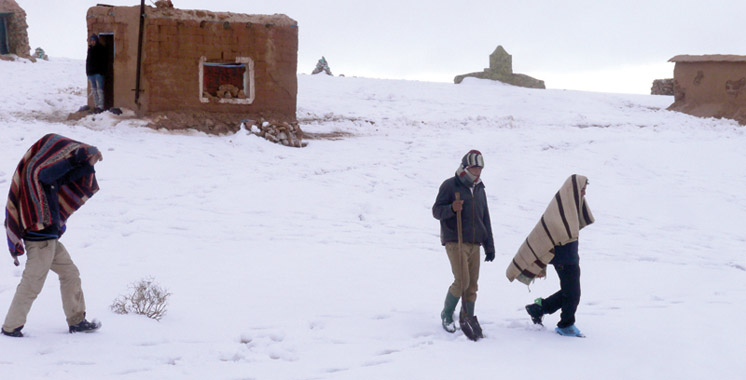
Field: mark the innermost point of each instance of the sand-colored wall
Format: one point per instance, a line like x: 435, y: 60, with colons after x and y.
x: 711, y: 89
x: 174, y: 42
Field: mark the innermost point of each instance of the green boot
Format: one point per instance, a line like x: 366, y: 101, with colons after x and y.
x: 446, y: 316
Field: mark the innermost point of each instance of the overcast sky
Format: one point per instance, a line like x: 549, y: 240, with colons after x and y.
x: 595, y: 45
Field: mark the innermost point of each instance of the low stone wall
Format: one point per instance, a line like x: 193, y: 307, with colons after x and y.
x: 520, y: 80
x: 662, y: 87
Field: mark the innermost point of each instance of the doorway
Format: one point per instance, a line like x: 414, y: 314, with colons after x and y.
x: 4, y: 45
x: 107, y: 39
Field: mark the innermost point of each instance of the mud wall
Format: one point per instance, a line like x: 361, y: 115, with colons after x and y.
x: 711, y: 89
x: 175, y: 42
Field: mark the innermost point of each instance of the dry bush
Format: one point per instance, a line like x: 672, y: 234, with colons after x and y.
x: 146, y: 298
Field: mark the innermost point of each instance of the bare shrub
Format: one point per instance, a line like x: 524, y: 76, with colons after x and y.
x: 146, y: 298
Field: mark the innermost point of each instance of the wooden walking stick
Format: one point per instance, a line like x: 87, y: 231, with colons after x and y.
x: 469, y: 324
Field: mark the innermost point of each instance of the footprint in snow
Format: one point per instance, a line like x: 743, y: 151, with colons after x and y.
x: 373, y: 363
x: 333, y: 370
x: 73, y: 362
x: 387, y: 352
x: 423, y: 334
x: 316, y: 325
x: 237, y: 357
x: 285, y: 355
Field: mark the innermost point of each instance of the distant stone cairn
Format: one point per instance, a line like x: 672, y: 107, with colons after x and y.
x: 322, y: 66
x: 501, y: 69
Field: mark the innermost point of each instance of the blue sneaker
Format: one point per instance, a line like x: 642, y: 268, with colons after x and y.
x: 569, y: 331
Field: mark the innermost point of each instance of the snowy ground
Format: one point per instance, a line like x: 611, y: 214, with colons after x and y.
x: 325, y: 263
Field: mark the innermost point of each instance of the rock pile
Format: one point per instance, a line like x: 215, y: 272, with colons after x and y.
x: 662, y: 87
x: 40, y: 54
x: 285, y: 133
x: 322, y: 66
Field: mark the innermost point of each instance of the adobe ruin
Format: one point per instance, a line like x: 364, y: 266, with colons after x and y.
x: 199, y: 63
x: 13, y: 31
x: 710, y: 86
x: 501, y: 69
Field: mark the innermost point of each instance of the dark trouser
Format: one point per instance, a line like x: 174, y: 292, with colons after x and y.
x: 568, y: 297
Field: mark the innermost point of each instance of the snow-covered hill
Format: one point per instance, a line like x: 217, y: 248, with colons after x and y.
x: 325, y: 262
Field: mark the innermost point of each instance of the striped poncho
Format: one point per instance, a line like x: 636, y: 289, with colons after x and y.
x: 28, y: 207
x: 561, y: 223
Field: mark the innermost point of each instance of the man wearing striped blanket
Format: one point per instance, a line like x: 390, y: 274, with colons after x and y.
x: 554, y: 240
x: 54, y: 178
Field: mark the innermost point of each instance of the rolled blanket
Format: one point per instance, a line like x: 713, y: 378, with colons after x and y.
x: 560, y: 224
x: 28, y: 207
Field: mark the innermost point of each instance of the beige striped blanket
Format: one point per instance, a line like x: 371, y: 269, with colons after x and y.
x: 561, y: 223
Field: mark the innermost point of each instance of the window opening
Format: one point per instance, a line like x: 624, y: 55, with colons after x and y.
x: 227, y: 82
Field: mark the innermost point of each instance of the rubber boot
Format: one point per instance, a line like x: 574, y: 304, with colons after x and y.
x: 469, y: 306
x: 446, y: 316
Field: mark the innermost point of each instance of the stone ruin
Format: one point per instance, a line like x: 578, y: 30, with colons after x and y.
x: 662, y: 87
x: 501, y: 69
x: 13, y: 31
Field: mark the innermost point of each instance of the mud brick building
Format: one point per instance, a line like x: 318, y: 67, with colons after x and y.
x: 710, y: 86
x: 199, y: 61
x: 13, y: 30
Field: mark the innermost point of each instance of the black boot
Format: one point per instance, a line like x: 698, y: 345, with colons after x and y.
x: 536, y: 311
x: 15, y: 333
x: 85, y: 326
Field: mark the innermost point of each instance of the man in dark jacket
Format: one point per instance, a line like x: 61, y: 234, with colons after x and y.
x: 54, y: 178
x: 95, y: 69
x: 477, y: 231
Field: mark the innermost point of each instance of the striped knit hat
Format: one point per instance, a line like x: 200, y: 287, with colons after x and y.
x: 473, y: 158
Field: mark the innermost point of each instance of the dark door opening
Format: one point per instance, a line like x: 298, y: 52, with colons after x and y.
x: 107, y: 39
x: 4, y: 48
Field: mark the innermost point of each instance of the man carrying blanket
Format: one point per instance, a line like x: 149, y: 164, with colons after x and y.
x: 554, y: 241
x: 54, y: 178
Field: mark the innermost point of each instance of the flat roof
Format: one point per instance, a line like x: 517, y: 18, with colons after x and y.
x: 709, y: 58
x: 202, y: 15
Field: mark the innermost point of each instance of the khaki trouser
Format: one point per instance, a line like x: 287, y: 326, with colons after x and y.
x: 465, y: 268
x: 41, y: 257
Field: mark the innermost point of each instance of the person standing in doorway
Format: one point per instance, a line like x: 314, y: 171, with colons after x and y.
x: 95, y: 69
x: 54, y: 179
x: 477, y: 231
